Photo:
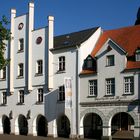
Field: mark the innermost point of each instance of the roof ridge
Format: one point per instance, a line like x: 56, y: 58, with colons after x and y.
x: 77, y: 31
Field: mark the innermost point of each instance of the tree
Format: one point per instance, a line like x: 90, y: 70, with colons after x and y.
x: 4, y: 36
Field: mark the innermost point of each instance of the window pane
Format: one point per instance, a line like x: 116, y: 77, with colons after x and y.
x: 61, y: 63
x: 110, y: 60
x: 128, y: 85
x: 93, y: 88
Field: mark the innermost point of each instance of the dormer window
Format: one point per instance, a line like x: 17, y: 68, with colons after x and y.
x: 110, y: 60
x: 137, y: 55
x: 89, y: 63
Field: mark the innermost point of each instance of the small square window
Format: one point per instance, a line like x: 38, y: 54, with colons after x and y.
x: 20, y: 70
x: 61, y: 63
x: 3, y: 73
x: 39, y: 67
x: 138, y: 56
x: 110, y: 60
x: 61, y: 96
x: 40, y: 95
x: 21, y: 45
x: 4, y: 98
x: 21, y: 97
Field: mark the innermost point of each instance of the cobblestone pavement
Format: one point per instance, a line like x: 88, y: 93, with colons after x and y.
x: 20, y: 137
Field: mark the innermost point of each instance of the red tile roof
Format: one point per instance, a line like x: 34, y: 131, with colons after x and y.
x: 128, y: 38
x: 133, y: 65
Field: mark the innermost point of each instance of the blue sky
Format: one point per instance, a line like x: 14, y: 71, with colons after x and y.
x: 75, y: 15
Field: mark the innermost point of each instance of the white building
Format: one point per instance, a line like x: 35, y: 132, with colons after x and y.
x: 110, y: 86
x: 23, y: 83
x: 62, y: 102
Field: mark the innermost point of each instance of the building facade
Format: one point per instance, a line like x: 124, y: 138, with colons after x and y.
x: 84, y: 84
x: 24, y: 82
x: 110, y: 86
x: 68, y: 51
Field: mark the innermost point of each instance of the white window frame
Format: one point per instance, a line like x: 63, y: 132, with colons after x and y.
x: 110, y: 60
x: 61, y: 93
x: 40, y: 97
x: 110, y: 86
x: 39, y: 67
x: 128, y: 85
x: 61, y: 63
x: 20, y: 70
x: 21, y: 44
x: 3, y: 73
x: 92, y: 88
x: 137, y: 56
x: 21, y: 97
x: 4, y: 98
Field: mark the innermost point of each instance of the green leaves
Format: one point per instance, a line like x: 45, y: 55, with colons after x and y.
x: 4, y: 36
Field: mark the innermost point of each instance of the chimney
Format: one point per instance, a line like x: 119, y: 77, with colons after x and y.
x: 50, y: 46
x: 13, y: 15
x: 31, y: 27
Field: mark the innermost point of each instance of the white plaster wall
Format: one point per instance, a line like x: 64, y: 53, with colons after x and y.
x: 87, y: 47
x: 40, y: 52
x: 20, y: 57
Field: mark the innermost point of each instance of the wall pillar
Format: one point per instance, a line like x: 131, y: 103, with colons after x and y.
x: 136, y: 132
x: 55, y: 129
x: 1, y: 126
x: 106, y: 133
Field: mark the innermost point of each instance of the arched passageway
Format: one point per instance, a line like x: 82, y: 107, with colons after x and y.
x: 42, y: 126
x: 92, y: 126
x: 63, y: 127
x: 122, y: 124
x: 6, y: 125
x: 23, y: 125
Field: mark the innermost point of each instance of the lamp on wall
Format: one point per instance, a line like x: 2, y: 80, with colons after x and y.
x: 29, y: 114
x: 11, y: 115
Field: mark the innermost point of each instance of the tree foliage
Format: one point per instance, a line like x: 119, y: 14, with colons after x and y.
x: 4, y: 37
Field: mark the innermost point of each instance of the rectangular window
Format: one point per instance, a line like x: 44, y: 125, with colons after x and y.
x: 3, y: 73
x: 21, y: 44
x: 4, y: 98
x: 110, y: 60
x: 39, y: 67
x: 110, y: 86
x: 21, y: 97
x: 93, y: 88
x: 40, y: 95
x: 20, y: 70
x: 62, y: 63
x: 129, y: 85
x: 61, y: 96
x: 138, y: 56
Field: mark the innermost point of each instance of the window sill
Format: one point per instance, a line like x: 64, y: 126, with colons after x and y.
x: 20, y: 104
x: 109, y: 95
x: 3, y: 104
x: 39, y: 103
x: 38, y: 74
x: 127, y: 94
x: 20, y: 51
x: 60, y: 71
x: 2, y: 79
x: 91, y: 96
x: 19, y: 77
x: 110, y: 65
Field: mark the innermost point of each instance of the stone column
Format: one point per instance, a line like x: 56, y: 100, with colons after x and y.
x: 106, y: 133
